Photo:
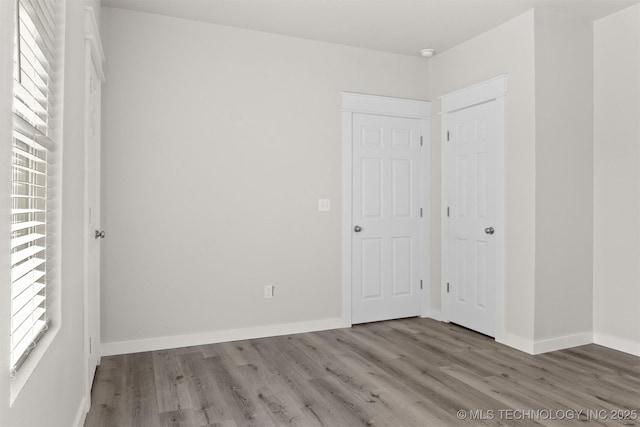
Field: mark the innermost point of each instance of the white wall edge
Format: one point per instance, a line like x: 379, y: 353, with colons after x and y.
x: 81, y: 414
x: 176, y: 341
x: 561, y: 343
x: 615, y: 343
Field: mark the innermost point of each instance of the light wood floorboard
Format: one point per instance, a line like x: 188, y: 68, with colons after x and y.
x: 409, y: 372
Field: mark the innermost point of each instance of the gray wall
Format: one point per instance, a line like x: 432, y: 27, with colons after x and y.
x: 564, y: 176
x: 217, y: 144
x: 617, y: 180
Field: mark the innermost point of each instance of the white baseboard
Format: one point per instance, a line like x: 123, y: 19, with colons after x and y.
x: 560, y: 343
x: 620, y: 344
x: 176, y: 341
x: 434, y: 314
x: 545, y: 346
x: 81, y: 414
x: 517, y: 342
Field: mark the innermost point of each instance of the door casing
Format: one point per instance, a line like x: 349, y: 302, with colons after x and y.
x: 379, y: 105
x: 490, y: 90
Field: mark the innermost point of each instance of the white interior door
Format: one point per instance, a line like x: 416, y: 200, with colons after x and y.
x: 470, y: 168
x: 93, y: 230
x: 386, y: 212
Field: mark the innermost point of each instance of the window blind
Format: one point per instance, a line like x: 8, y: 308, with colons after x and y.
x: 34, y: 68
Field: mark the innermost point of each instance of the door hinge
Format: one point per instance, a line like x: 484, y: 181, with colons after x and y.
x: 420, y: 283
x: 447, y: 287
x: 447, y: 211
x: 420, y: 212
x: 447, y: 135
x: 421, y: 141
x: 90, y: 350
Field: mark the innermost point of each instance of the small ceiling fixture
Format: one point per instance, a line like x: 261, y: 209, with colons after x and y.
x: 427, y: 53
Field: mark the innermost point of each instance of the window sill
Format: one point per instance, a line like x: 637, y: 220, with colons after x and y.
x: 31, y: 363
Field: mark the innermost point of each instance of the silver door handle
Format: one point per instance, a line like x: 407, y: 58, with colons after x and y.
x: 99, y: 234
x: 489, y: 230
x: 357, y: 229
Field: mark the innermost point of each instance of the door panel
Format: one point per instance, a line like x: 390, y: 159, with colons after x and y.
x: 402, y: 258
x: 471, y: 191
x: 386, y: 204
x: 93, y: 222
x: 371, y: 268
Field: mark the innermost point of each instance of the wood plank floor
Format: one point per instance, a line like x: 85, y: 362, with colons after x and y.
x: 411, y: 372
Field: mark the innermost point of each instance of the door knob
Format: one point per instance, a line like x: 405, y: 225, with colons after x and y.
x: 99, y: 234
x: 489, y: 230
x: 357, y: 229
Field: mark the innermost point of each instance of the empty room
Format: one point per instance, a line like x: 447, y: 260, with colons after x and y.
x: 320, y: 213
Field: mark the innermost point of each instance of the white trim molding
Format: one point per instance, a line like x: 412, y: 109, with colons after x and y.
x: 561, y: 343
x: 81, y: 413
x: 432, y: 313
x: 92, y: 36
x: 474, y: 94
x: 517, y: 342
x: 213, y: 337
x: 616, y: 343
x: 384, y: 105
x: 547, y: 345
x: 397, y: 107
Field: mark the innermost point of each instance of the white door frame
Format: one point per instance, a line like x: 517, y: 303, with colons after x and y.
x: 94, y: 57
x: 495, y: 90
x: 380, y: 105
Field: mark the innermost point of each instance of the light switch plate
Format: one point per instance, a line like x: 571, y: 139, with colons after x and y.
x: 324, y: 205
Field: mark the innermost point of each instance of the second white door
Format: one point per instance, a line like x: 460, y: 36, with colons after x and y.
x: 470, y: 169
x: 386, y: 217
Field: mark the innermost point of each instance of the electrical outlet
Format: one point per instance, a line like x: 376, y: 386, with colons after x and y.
x: 268, y: 291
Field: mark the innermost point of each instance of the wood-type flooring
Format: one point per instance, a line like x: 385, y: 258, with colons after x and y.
x: 410, y: 372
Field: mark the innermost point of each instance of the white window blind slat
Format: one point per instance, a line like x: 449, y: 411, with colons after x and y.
x: 32, y: 297
x: 22, y: 337
x: 21, y: 155
x: 34, y: 50
x: 32, y: 250
x: 45, y: 11
x: 25, y: 211
x: 24, y: 346
x: 23, y: 240
x: 24, y: 268
x: 27, y: 281
x: 38, y: 106
x: 28, y: 114
x: 22, y: 168
x: 23, y: 254
x: 36, y: 22
x: 21, y: 317
x: 26, y: 128
x: 31, y: 142
x: 24, y: 225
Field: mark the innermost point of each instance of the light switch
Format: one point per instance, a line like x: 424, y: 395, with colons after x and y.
x: 324, y: 205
